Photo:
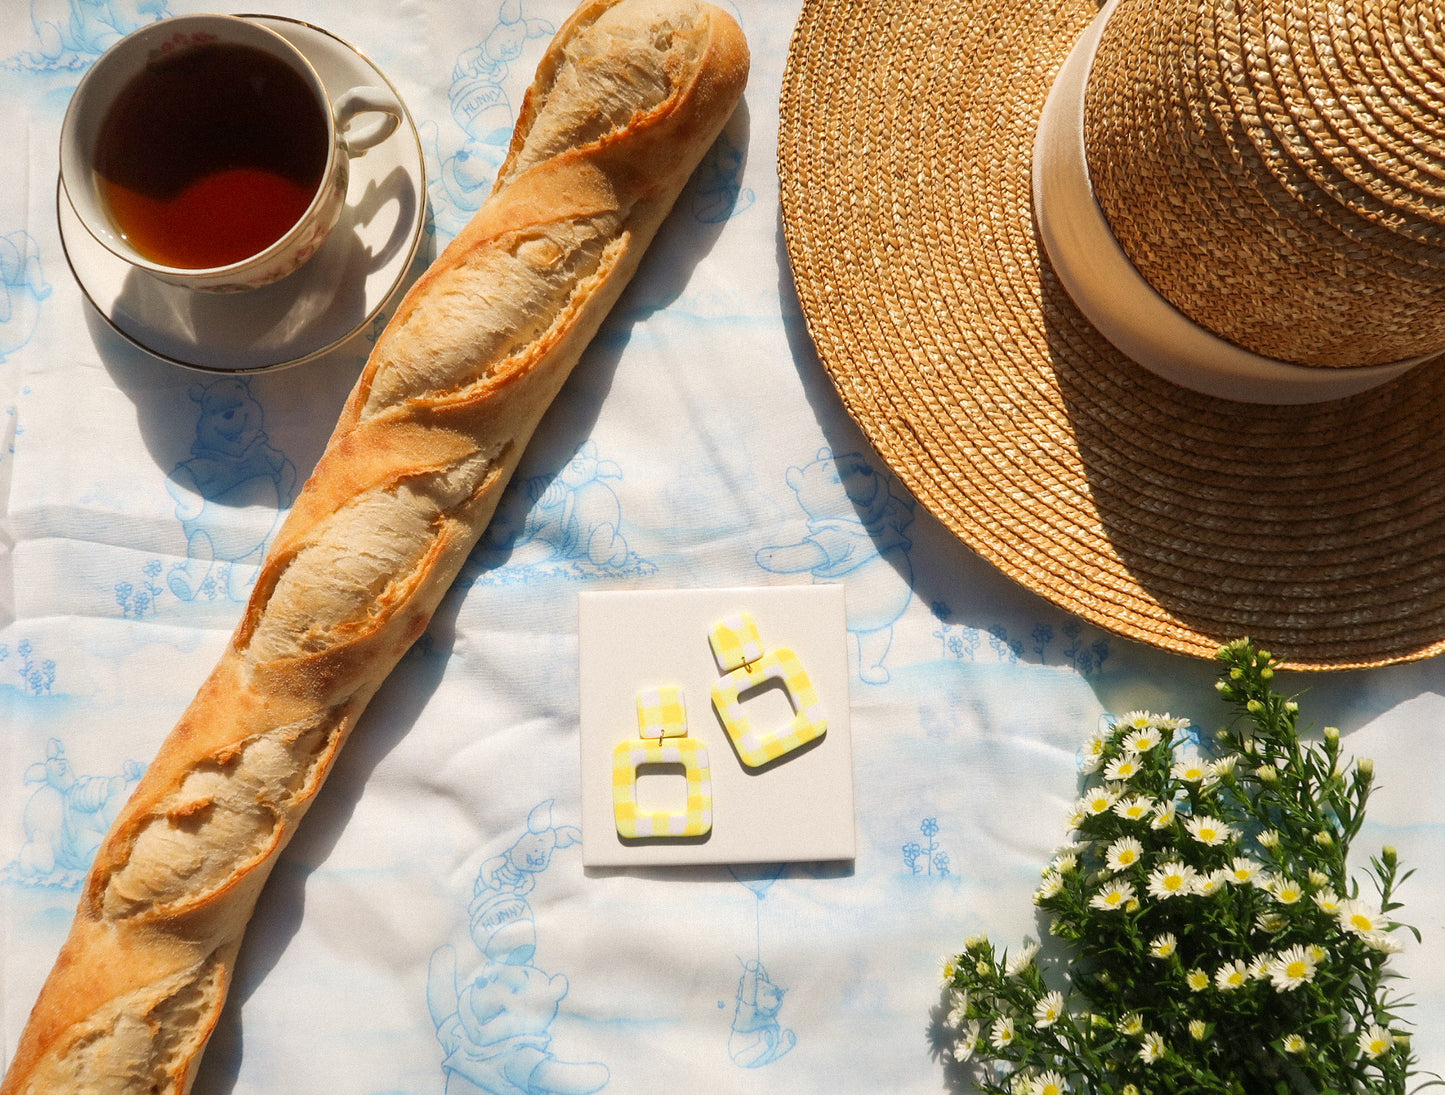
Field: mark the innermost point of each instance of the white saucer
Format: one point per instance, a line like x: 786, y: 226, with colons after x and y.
x: 339, y: 290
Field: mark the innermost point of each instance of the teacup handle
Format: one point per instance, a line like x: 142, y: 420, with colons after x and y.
x: 356, y: 139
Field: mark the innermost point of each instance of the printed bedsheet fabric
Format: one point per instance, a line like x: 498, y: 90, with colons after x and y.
x: 431, y: 929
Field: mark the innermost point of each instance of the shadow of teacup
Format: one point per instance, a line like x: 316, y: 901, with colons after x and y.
x: 312, y: 310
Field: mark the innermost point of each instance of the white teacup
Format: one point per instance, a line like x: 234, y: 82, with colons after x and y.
x: 206, y: 151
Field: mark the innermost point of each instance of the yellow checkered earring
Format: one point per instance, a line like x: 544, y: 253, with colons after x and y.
x: 662, y: 740
x: 738, y: 647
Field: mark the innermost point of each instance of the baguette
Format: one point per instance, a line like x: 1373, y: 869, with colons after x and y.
x: 627, y: 99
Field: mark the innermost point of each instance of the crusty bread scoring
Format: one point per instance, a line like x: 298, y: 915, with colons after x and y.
x: 628, y: 98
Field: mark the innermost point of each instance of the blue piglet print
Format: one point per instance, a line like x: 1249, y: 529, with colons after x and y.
x: 64, y: 819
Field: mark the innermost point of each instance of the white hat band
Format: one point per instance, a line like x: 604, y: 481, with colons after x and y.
x: 1116, y: 298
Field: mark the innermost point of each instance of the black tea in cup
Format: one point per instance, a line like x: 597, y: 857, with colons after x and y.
x: 211, y: 154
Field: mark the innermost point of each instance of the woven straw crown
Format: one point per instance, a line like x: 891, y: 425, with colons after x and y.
x: 1275, y: 171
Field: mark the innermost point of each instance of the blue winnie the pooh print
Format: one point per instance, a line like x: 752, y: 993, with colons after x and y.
x: 461, y: 169
x: 233, y: 468
x: 70, y: 34
x: 855, y: 533
x: 494, y: 1018
x: 567, y: 524
x: 22, y: 289
x: 757, y: 1036
x: 716, y: 192
x: 482, y: 108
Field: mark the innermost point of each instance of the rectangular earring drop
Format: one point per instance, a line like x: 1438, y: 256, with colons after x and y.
x: 661, y: 741
x: 738, y: 647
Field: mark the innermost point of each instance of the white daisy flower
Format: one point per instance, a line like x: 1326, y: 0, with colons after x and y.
x: 1284, y: 891
x: 1123, y: 768
x: 1231, y: 975
x: 1210, y: 883
x: 1133, y: 1023
x: 1115, y: 895
x: 1141, y: 741
x: 1210, y: 831
x: 1357, y: 917
x: 1002, y: 1033
x: 1291, y: 968
x: 1224, y: 766
x: 1172, y: 880
x: 1152, y: 1049
x: 1092, y: 754
x: 1190, y: 769
x: 1051, y: 886
x: 1124, y: 852
x: 1197, y: 980
x: 1198, y: 1029
x: 1242, y: 870
x: 1098, y: 801
x: 1163, y: 946
x: 958, y: 1014
x: 1135, y: 720
x: 1294, y: 1043
x: 1021, y: 961
x: 1382, y: 942
x: 1049, y: 1009
x: 1164, y: 816
x: 1327, y: 901
x: 1049, y: 1082
x: 1268, y: 839
x: 1376, y: 1041
x: 1134, y: 808
x: 967, y: 1042
x: 1271, y: 922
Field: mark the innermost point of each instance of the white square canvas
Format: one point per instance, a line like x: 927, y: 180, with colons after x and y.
x: 799, y: 808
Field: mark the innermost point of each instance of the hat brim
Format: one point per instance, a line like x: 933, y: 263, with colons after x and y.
x: 1152, y: 511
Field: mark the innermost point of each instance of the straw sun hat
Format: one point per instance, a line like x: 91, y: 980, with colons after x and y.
x: 1246, y: 195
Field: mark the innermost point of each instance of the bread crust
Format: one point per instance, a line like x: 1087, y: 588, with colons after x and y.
x: 424, y: 446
